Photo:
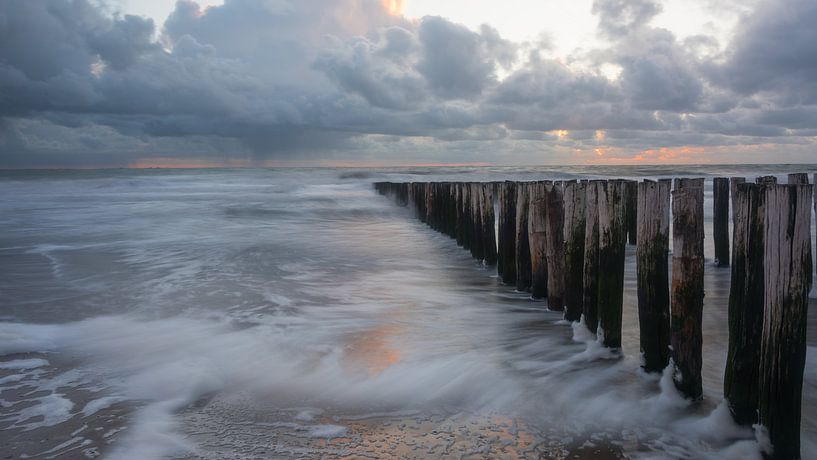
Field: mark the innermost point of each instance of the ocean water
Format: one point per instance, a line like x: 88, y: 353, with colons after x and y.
x: 279, y: 313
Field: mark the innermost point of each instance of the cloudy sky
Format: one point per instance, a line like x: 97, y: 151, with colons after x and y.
x: 93, y: 83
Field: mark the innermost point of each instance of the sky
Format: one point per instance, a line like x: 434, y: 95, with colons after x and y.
x: 147, y: 83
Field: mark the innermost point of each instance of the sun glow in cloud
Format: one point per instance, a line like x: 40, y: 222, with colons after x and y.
x: 394, y: 7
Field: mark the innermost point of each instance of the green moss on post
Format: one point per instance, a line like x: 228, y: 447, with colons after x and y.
x: 612, y: 242
x: 652, y: 268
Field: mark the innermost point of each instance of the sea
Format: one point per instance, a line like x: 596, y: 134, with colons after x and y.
x: 296, y: 313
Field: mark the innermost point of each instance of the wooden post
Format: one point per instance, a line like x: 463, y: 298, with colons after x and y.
x: 798, y: 179
x: 488, y: 223
x: 467, y: 223
x: 506, y: 265
x: 720, y: 220
x: 554, y: 224
x: 766, y: 180
x: 478, y: 239
x: 459, y: 221
x: 612, y: 197
x: 746, y: 292
x: 652, y: 269
x: 733, y: 184
x: 787, y: 277
x: 632, y: 211
x: 574, y: 234
x: 537, y: 229
x: 687, y: 285
x: 523, y: 270
x: 591, y: 257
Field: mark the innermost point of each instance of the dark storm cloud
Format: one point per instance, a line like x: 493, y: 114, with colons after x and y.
x: 259, y: 79
x: 775, y: 51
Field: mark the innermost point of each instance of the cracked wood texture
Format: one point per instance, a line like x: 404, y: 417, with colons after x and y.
x: 740, y: 380
x: 523, y: 270
x: 591, y: 256
x: 687, y: 293
x: 574, y: 233
x: 652, y: 267
x: 787, y: 277
x: 537, y: 231
x: 488, y: 223
x: 506, y: 252
x: 612, y: 207
x: 554, y: 223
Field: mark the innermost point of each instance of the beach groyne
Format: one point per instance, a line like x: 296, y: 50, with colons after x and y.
x: 564, y: 241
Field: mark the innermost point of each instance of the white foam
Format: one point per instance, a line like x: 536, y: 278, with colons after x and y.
x: 96, y: 405
x: 24, y: 364
x: 54, y: 409
x: 326, y: 431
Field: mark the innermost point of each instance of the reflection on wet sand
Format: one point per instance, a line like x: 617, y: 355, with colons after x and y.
x: 374, y: 350
x: 310, y: 433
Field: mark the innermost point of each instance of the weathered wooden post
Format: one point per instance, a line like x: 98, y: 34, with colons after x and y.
x: 798, y: 179
x: 488, y: 230
x: 591, y: 256
x: 687, y: 285
x: 574, y: 233
x: 458, y: 225
x: 766, y: 180
x: 612, y: 204
x: 652, y: 268
x: 467, y: 223
x: 537, y: 229
x: 554, y: 224
x: 720, y: 220
x: 787, y: 277
x: 746, y: 293
x: 477, y: 248
x: 733, y: 184
x: 506, y: 265
x: 523, y: 270
x: 632, y: 210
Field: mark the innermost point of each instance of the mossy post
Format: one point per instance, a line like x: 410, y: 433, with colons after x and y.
x: 506, y: 264
x: 632, y: 211
x: 574, y: 235
x: 787, y: 277
x: 612, y: 203
x: 523, y: 269
x: 537, y: 235
x: 554, y: 224
x: 652, y: 268
x: 720, y: 220
x: 687, y: 294
x: 746, y: 294
x: 590, y: 297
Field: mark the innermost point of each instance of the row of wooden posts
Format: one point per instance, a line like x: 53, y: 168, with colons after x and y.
x: 565, y: 241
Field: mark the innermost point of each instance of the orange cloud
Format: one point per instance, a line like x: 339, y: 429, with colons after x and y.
x: 393, y: 7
